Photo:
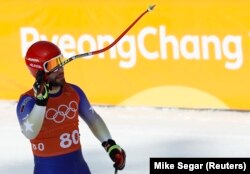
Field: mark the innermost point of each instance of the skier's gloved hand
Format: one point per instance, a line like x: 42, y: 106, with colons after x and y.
x: 116, y: 153
x: 41, y: 89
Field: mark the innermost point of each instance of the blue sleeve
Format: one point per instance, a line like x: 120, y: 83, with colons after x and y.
x: 24, y: 107
x: 86, y: 111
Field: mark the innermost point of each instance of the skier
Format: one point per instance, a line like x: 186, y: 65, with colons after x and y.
x: 48, y: 116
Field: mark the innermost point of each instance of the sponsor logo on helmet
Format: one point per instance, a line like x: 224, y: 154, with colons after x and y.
x: 35, y: 66
x: 33, y: 59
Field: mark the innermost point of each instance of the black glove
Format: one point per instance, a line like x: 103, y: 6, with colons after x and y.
x: 116, y: 153
x: 41, y: 89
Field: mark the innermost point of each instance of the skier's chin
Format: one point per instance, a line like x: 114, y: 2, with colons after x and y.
x: 58, y: 82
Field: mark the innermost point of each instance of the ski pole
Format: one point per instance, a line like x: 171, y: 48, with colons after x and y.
x: 150, y: 8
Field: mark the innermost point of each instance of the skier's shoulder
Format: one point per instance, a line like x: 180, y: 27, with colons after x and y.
x: 76, y: 88
x: 28, y: 95
x: 80, y: 92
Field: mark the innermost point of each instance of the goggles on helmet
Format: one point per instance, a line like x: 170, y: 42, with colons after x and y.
x: 52, y: 63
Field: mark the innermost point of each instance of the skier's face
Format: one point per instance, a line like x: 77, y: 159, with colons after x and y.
x: 56, y: 78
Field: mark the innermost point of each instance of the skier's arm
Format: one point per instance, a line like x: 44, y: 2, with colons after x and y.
x: 30, y: 116
x: 100, y: 130
x: 31, y: 110
x: 98, y: 127
x: 92, y: 119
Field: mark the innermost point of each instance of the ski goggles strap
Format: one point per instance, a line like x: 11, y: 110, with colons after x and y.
x: 52, y: 63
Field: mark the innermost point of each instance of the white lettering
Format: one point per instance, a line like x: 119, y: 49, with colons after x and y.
x: 163, y: 165
x: 234, y: 54
x: 29, y: 35
x: 67, y: 139
x: 188, y: 47
x: 39, y: 147
x: 33, y: 59
x: 67, y: 45
x: 164, y: 40
x: 103, y: 41
x: 206, y: 40
x: 80, y: 44
x: 190, y: 167
x: 141, y: 37
x: 130, y: 55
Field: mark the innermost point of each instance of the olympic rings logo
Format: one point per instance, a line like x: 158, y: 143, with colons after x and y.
x: 62, y: 112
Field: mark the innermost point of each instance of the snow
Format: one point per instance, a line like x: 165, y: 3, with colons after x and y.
x: 143, y: 132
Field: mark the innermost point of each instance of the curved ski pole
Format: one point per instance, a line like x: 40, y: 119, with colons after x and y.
x: 150, y: 8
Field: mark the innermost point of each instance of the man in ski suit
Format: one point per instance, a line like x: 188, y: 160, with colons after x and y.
x: 48, y: 116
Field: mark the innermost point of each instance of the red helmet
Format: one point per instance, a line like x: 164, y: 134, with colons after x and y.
x: 38, y: 53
